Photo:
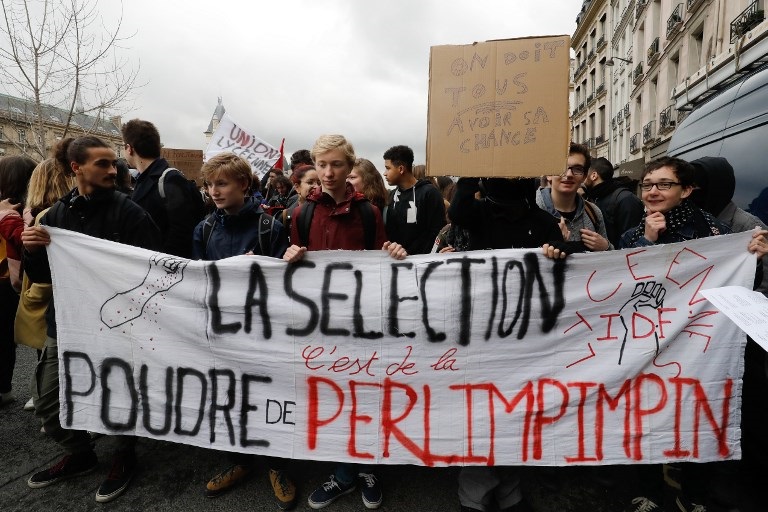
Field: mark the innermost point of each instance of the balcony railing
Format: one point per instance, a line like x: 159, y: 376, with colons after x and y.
x: 620, y: 117
x: 599, y: 140
x: 637, y: 74
x: 601, y: 42
x: 591, y: 55
x: 666, y: 120
x: 626, y: 111
x: 613, y: 123
x: 634, y: 143
x: 675, y: 20
x: 590, y: 142
x: 600, y: 89
x: 649, y: 132
x: 590, y: 98
x: 694, y: 3
x: 640, y: 7
x: 581, y: 106
x: 653, y: 52
x: 585, y: 142
x: 746, y: 21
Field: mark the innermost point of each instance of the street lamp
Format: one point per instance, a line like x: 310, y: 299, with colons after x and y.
x: 610, y: 62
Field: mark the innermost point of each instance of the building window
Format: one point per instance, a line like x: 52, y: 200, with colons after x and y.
x: 22, y: 135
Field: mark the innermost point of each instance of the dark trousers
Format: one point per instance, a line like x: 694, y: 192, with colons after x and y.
x: 9, y: 303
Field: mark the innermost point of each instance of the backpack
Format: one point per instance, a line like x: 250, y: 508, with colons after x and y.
x: 590, y: 210
x: 366, y: 213
x: 4, y: 272
x: 190, y: 191
x: 266, y: 232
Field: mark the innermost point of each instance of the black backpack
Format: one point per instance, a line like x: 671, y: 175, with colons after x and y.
x: 366, y: 212
x: 191, y: 194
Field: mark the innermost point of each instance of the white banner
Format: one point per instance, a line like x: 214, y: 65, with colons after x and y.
x: 230, y: 136
x: 487, y: 357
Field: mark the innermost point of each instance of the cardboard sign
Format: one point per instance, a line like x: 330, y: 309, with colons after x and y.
x: 188, y: 161
x: 486, y: 357
x: 499, y: 108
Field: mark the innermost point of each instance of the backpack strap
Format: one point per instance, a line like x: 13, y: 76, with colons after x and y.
x: 369, y: 224
x: 266, y: 233
x: 207, y: 230
x: 161, y: 181
x: 305, y: 221
x: 110, y: 230
x: 592, y: 215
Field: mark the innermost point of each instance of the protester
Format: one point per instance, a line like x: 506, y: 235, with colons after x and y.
x: 338, y: 217
x: 506, y: 217
x: 15, y: 172
x: 94, y: 208
x: 580, y: 221
x: 620, y: 207
x: 367, y: 180
x: 236, y: 228
x: 285, y: 195
x: 50, y: 181
x: 416, y: 211
x: 305, y: 180
x: 670, y: 217
x: 178, y: 206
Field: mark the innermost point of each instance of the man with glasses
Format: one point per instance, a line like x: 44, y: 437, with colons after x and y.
x: 580, y: 221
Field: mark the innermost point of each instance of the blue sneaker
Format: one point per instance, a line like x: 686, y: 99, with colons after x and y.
x: 329, y: 492
x: 371, y: 490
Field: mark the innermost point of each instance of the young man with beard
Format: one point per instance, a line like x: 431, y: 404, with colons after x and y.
x: 94, y: 208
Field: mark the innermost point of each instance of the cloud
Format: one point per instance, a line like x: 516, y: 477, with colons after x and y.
x: 297, y: 69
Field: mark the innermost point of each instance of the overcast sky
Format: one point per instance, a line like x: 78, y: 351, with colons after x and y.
x: 300, y: 68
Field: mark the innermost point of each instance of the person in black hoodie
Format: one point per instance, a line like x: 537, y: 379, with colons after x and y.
x: 416, y: 211
x: 506, y: 217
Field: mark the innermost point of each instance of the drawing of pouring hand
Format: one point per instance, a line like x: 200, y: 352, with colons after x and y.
x: 646, y: 299
x: 163, y: 274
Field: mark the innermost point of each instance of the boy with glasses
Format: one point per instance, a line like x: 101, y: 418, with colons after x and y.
x: 580, y: 221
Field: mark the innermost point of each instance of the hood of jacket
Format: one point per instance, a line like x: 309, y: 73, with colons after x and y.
x: 715, y: 181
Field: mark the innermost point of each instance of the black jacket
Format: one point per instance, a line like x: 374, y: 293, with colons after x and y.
x: 175, y: 216
x: 417, y: 237
x: 622, y: 210
x: 506, y: 218
x: 110, y: 215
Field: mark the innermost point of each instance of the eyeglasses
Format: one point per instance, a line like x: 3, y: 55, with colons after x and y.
x: 577, y: 170
x: 663, y: 185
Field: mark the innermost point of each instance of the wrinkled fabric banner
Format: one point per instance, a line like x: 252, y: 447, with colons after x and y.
x: 487, y: 357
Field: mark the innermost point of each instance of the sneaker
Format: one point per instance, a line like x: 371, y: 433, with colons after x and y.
x: 6, y: 398
x: 641, y: 504
x: 684, y: 505
x: 227, y: 479
x: 329, y: 492
x: 371, y: 490
x: 284, y: 489
x: 123, y: 468
x: 30, y: 405
x: 68, y: 467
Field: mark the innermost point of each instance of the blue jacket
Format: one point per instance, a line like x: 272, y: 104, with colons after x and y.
x: 234, y: 235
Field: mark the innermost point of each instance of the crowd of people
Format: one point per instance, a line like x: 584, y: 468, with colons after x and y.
x: 331, y: 199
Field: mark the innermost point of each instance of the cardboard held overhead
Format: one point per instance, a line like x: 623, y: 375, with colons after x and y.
x: 188, y: 161
x: 499, y: 108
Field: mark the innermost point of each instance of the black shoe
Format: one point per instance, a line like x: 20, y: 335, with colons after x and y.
x: 371, y: 490
x: 123, y: 466
x: 520, y: 506
x: 70, y: 466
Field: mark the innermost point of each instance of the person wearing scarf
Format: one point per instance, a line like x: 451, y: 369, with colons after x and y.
x: 670, y: 216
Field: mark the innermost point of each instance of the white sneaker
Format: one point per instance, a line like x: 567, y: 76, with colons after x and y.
x: 30, y: 405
